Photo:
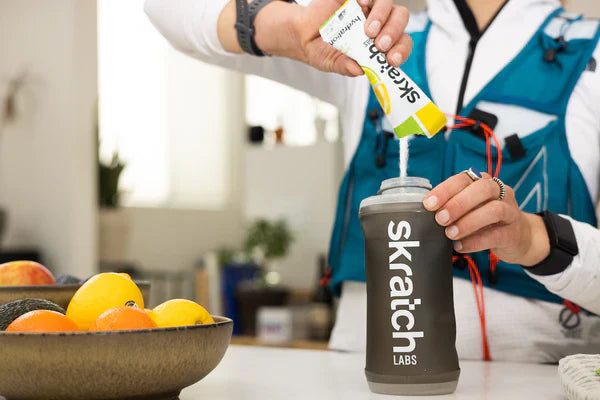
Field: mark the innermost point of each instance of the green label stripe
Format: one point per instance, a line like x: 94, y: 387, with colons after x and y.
x: 408, y: 127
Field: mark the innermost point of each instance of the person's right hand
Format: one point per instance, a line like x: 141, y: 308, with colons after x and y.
x: 301, y: 39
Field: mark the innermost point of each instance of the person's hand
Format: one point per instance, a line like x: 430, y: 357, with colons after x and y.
x: 476, y: 220
x: 292, y: 31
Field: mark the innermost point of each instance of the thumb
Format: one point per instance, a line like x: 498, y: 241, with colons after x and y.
x: 349, y: 67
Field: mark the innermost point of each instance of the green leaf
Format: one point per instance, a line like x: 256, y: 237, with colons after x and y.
x: 273, y: 237
x: 108, y: 180
x: 598, y: 371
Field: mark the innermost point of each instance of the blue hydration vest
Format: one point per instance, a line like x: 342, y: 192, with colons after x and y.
x: 545, y: 177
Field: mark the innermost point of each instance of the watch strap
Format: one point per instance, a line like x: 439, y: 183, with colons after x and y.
x: 563, y: 245
x: 245, y: 31
x: 255, y: 7
x: 246, y: 15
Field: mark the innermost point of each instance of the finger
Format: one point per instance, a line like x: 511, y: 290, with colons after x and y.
x: 491, y: 213
x: 401, y: 51
x: 509, y: 195
x: 490, y: 238
x: 365, y: 3
x: 472, y: 196
x: 392, y: 29
x: 439, y: 195
x: 350, y: 67
x: 328, y: 59
x: 378, y: 16
x: 345, y: 65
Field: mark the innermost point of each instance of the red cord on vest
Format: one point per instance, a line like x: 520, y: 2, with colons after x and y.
x: 326, y: 278
x: 494, y: 260
x: 480, y: 300
x: 574, y: 308
x: 489, y: 135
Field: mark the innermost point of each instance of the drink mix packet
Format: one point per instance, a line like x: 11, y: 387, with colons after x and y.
x: 405, y: 105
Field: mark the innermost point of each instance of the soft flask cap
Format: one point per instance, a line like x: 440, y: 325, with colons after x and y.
x: 403, y: 183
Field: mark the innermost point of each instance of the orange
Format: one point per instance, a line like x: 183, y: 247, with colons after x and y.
x: 42, y: 321
x: 122, y: 318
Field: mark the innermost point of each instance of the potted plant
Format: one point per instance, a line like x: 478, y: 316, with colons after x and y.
x: 267, y: 242
x: 108, y: 179
x: 10, y: 108
x: 113, y: 224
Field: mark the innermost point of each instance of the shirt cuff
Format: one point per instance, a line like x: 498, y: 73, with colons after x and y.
x: 579, y: 281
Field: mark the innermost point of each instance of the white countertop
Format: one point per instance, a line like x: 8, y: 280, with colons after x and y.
x: 248, y: 372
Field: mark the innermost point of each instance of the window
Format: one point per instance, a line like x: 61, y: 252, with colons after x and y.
x: 163, y: 112
x: 272, y: 105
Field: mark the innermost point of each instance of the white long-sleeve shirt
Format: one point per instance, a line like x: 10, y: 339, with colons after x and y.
x: 518, y: 328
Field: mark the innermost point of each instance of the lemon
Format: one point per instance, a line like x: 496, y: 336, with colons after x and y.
x: 371, y: 75
x: 180, y: 312
x: 100, y: 293
x: 380, y: 90
x: 150, y: 313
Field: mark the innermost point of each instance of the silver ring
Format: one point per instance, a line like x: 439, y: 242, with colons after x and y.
x: 473, y: 173
x: 502, y: 188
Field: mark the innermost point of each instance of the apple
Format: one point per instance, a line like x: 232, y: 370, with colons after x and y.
x: 22, y: 273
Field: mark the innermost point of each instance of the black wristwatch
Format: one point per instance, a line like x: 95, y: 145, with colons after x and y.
x: 563, y: 245
x: 244, y: 24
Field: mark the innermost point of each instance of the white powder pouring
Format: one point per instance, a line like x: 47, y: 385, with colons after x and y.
x: 403, y: 143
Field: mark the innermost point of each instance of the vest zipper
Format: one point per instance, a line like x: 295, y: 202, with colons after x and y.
x: 471, y: 26
x: 465, y: 77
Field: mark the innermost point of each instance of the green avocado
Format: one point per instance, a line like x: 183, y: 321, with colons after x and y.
x: 13, y: 310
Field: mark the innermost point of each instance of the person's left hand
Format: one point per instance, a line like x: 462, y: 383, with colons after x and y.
x: 477, y: 220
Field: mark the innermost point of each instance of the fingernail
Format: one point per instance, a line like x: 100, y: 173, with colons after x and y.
x: 452, y: 231
x: 430, y: 202
x: 442, y: 217
x: 374, y: 27
x: 458, y: 245
x: 385, y: 42
x: 396, y: 58
x: 355, y: 69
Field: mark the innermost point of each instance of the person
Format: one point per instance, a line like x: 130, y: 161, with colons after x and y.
x: 524, y: 67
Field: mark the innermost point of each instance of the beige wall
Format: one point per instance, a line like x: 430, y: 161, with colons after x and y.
x: 590, y: 8
x: 47, y: 171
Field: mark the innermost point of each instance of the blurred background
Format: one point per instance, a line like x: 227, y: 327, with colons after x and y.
x: 119, y: 154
